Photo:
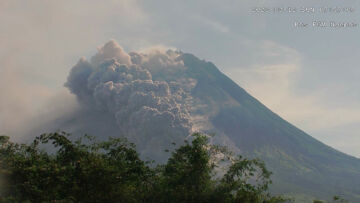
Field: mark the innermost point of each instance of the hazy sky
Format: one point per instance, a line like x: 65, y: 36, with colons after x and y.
x: 308, y: 76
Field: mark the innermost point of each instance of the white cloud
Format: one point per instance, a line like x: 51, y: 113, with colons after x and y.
x: 215, y: 25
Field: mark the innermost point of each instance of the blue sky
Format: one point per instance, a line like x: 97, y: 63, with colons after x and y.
x: 308, y: 76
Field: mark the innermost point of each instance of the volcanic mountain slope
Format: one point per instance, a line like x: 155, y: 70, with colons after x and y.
x: 160, y: 97
x: 300, y: 163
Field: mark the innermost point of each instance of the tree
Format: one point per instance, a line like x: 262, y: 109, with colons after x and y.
x: 190, y: 176
x: 187, y: 174
x: 85, y: 170
x: 99, y: 172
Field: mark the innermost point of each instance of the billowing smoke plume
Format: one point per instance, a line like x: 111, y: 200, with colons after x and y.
x: 149, y: 112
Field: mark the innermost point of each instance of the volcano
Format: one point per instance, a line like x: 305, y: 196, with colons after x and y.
x: 159, y: 97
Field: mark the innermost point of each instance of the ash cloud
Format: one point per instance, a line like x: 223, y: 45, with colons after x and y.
x: 111, y: 50
x: 149, y: 111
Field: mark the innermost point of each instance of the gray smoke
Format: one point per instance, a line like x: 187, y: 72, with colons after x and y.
x: 149, y: 112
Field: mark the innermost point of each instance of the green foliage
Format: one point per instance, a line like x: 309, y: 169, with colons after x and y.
x: 335, y: 199
x: 88, y: 171
x: 76, y: 172
x: 339, y: 199
x: 187, y: 175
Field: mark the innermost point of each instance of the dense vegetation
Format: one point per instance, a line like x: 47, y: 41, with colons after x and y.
x: 55, y: 168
